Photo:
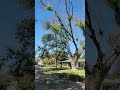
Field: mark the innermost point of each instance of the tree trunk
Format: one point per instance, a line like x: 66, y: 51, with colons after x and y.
x: 74, y: 62
x: 94, y: 81
x: 73, y: 65
x: 61, y: 65
x: 93, y: 84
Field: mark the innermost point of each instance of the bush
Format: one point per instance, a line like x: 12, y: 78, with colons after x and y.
x: 82, y: 64
x: 49, y: 61
x: 71, y: 77
x: 62, y: 75
x: 26, y: 82
x: 75, y: 77
x: 4, y: 81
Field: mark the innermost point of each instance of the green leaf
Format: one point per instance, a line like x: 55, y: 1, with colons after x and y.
x: 80, y: 24
x: 48, y: 7
x: 56, y: 28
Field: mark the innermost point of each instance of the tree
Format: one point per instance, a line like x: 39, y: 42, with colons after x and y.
x: 115, y: 4
x: 116, y: 7
x: 28, y: 4
x: 24, y: 55
x: 65, y: 30
x: 2, y: 59
x: 97, y: 73
x: 60, y: 55
x: 54, y: 43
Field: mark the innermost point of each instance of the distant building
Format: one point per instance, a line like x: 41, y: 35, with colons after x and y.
x: 81, y: 62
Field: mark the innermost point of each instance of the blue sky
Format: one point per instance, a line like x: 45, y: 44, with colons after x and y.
x: 42, y: 15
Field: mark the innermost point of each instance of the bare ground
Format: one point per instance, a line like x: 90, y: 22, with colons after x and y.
x: 48, y: 81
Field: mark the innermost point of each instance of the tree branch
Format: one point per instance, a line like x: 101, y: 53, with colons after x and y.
x: 93, y: 37
x: 87, y: 69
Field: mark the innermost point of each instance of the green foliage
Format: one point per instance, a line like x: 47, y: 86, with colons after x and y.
x: 82, y: 65
x: 114, y: 2
x: 60, y: 55
x: 24, y: 55
x: 69, y: 18
x: 4, y: 81
x: 29, y: 4
x: 48, y: 7
x: 80, y: 24
x: 56, y: 28
x: 71, y: 77
x: 116, y: 6
x: 75, y: 77
x: 63, y: 31
x: 75, y: 72
x: 49, y: 61
x: 26, y: 82
x: 25, y: 33
x: 82, y: 43
x: 47, y: 38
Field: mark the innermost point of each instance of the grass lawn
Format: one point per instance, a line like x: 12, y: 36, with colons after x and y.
x: 66, y: 79
x: 75, y: 72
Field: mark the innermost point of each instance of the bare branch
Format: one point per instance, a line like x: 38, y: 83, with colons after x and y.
x: 93, y: 36
x: 66, y: 8
x: 110, y: 63
x: 43, y: 3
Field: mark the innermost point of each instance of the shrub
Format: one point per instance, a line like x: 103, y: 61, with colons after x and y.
x: 75, y: 77
x: 4, y: 81
x: 82, y: 64
x: 71, y: 77
x: 49, y: 61
x: 62, y: 75
x: 26, y: 82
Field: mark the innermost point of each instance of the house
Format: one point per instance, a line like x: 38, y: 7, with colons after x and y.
x: 81, y: 63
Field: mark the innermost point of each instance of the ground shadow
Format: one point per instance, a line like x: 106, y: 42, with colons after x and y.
x: 48, y: 81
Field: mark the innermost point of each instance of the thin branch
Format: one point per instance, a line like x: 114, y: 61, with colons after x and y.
x: 110, y: 62
x: 109, y: 65
x: 60, y: 21
x: 42, y: 3
x: 66, y: 8
x: 72, y: 8
x: 71, y: 29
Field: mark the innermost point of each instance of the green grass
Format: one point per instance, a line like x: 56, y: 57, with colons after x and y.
x: 75, y: 72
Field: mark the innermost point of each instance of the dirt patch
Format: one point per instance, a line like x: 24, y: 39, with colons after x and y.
x: 48, y: 81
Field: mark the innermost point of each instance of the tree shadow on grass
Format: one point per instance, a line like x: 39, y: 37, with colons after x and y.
x: 49, y: 81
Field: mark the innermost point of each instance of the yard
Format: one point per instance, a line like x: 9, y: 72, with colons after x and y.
x: 56, y: 79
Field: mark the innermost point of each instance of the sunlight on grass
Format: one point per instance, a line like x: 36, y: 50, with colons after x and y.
x: 75, y: 72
